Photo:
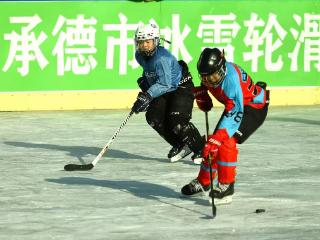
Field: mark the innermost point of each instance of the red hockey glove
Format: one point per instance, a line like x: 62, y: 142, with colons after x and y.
x: 211, y: 148
x: 203, y: 99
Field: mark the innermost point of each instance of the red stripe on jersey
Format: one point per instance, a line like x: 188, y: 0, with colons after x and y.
x: 219, y: 94
x: 249, y: 89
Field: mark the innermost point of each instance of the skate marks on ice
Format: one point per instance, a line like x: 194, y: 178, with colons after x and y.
x: 278, y: 171
x: 84, y: 152
x: 140, y: 189
x: 81, y: 152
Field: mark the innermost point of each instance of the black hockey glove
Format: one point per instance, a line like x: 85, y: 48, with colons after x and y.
x: 142, y: 102
x: 143, y: 84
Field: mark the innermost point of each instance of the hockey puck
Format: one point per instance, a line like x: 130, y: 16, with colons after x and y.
x: 260, y: 210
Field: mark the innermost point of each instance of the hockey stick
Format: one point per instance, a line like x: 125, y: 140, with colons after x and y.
x: 86, y: 167
x: 214, y: 209
x: 207, y: 124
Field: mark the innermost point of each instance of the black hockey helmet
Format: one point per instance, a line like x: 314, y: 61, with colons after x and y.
x: 210, y: 61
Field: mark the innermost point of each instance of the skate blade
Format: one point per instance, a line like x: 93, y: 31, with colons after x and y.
x: 223, y: 201
x: 175, y: 158
x: 197, y: 161
x: 180, y: 156
x: 199, y: 194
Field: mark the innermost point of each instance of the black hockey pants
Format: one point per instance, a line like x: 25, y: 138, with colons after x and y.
x: 170, y: 116
x: 253, y: 118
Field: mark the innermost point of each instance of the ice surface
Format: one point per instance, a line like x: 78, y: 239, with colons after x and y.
x: 134, y: 191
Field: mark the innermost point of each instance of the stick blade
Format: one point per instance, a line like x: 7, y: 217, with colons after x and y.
x: 76, y: 167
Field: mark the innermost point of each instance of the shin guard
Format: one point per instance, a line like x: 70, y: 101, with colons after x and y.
x: 204, y: 174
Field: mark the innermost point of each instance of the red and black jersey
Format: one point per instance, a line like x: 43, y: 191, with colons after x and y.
x: 234, y: 92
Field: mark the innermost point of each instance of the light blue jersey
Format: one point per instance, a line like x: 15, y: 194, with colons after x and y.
x: 162, y: 71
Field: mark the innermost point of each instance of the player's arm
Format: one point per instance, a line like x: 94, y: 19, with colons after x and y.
x: 203, y: 100
x: 233, y: 112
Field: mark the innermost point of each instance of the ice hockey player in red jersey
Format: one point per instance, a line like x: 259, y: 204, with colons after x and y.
x: 245, y: 109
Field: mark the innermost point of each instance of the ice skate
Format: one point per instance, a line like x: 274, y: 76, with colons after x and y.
x: 178, y: 153
x: 194, y: 188
x: 197, y: 158
x: 222, y: 194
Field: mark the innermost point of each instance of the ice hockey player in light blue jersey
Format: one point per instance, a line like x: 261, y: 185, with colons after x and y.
x: 166, y: 95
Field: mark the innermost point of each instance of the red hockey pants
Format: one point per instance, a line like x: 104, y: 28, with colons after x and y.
x: 224, y: 164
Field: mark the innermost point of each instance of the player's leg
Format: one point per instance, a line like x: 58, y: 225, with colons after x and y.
x: 225, y: 166
x: 226, y: 163
x: 155, y: 117
x: 179, y: 115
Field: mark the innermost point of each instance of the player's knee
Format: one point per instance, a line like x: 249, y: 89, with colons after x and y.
x: 183, y: 129
x: 177, y: 122
x: 177, y: 129
x: 157, y: 125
